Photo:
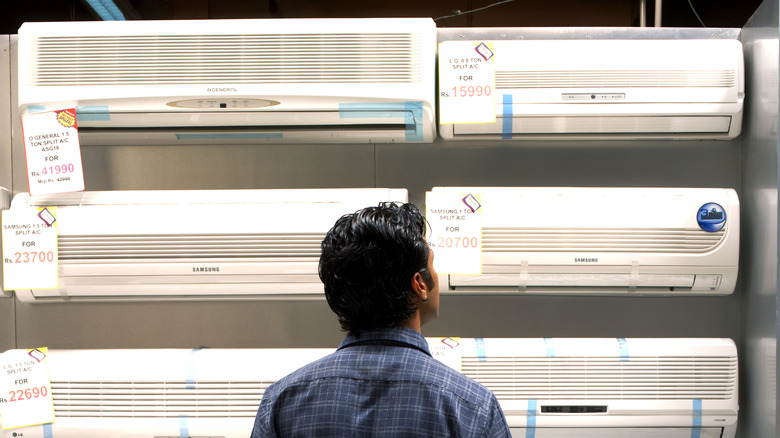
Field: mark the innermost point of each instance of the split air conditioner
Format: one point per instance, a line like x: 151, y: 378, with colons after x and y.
x: 552, y: 387
x: 616, y: 388
x: 602, y: 241
x: 613, y: 89
x: 193, y: 244
x: 235, y: 81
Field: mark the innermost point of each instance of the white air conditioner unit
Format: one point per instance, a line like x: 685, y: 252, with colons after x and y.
x: 142, y: 393
x: 194, y: 244
x: 551, y: 387
x: 235, y: 81
x: 613, y: 89
x: 609, y: 388
x: 602, y: 241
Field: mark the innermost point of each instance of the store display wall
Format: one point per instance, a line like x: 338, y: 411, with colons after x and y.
x: 418, y: 167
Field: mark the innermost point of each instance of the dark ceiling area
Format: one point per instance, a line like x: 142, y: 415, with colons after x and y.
x: 449, y: 13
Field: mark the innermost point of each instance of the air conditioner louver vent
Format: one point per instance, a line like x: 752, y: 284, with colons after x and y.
x: 157, y: 399
x: 616, y: 79
x: 643, y: 378
x: 226, y: 59
x: 207, y: 246
x: 496, y: 240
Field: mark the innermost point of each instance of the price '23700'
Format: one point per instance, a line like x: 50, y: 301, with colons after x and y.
x: 34, y: 256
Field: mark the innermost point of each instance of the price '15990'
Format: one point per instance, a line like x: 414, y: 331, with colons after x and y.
x: 472, y: 91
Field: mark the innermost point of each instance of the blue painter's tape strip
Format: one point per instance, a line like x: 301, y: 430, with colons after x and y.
x: 697, y: 413
x: 184, y: 427
x: 93, y: 113
x: 506, y: 125
x: 48, y: 432
x: 31, y: 109
x: 379, y: 110
x: 481, y: 356
x: 190, y: 380
x: 530, y: 428
x: 623, y: 348
x: 411, y: 112
x: 414, y: 115
x: 550, y: 347
x: 232, y: 136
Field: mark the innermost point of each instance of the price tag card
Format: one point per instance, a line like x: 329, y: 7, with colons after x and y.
x: 51, y: 144
x: 456, y: 231
x: 25, y: 389
x: 30, y: 248
x: 467, y: 82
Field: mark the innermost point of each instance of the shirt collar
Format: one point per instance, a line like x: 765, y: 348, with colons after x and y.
x: 393, y: 334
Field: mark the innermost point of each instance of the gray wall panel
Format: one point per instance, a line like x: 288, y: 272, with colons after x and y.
x: 227, y: 166
x: 592, y: 164
x: 759, y: 242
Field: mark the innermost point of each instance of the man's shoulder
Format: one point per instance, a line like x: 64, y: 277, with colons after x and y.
x: 453, y: 381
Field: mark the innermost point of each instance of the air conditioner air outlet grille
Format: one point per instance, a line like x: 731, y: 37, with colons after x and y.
x: 306, y: 245
x: 497, y: 240
x: 226, y: 59
x: 616, y: 79
x: 157, y: 399
x: 643, y: 378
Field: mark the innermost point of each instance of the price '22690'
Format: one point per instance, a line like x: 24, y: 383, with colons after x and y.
x: 28, y: 393
x: 34, y: 256
x: 472, y: 91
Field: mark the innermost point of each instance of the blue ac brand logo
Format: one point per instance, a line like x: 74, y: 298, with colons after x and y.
x: 711, y: 217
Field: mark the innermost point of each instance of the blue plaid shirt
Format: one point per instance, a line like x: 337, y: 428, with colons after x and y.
x: 383, y: 384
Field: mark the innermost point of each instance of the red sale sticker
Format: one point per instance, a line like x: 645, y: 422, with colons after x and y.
x: 25, y: 389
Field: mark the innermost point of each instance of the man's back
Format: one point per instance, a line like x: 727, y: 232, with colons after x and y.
x: 384, y: 384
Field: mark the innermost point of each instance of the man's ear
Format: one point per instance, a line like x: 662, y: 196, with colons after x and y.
x: 419, y: 287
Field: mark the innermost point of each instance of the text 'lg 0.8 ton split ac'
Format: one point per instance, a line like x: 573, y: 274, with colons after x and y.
x: 235, y: 81
x: 604, y: 241
x: 194, y: 244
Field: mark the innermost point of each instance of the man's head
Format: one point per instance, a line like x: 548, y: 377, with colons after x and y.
x: 377, y: 268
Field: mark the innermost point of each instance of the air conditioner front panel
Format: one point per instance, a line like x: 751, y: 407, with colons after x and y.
x: 613, y: 89
x: 194, y: 244
x: 602, y: 241
x: 618, y: 126
x: 235, y: 81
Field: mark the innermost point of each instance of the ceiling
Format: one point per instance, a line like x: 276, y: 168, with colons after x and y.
x: 506, y: 13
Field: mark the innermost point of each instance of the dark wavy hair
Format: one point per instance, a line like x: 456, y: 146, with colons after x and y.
x: 367, y: 264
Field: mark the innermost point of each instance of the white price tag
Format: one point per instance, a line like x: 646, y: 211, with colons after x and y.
x: 456, y: 231
x: 25, y: 389
x: 30, y: 248
x: 467, y: 82
x: 51, y: 144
